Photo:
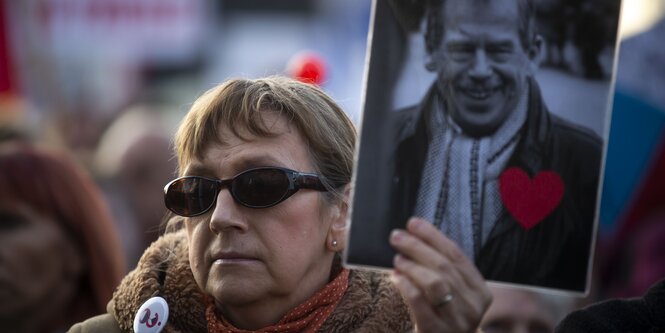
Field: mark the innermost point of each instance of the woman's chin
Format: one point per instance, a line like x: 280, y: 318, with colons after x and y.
x: 232, y: 291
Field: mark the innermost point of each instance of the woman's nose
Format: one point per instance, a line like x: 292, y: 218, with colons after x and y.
x: 226, y: 214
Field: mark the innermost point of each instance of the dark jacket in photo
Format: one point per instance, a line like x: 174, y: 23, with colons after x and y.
x: 554, y: 253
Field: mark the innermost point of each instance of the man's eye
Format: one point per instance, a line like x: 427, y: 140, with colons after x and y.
x: 460, y: 48
x: 460, y: 52
x: 499, y: 52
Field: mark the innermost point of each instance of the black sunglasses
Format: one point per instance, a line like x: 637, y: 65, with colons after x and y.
x: 254, y: 188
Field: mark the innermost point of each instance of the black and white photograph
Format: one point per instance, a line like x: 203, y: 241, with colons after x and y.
x: 489, y: 119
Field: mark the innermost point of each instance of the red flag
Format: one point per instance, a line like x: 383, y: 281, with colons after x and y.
x: 7, y: 79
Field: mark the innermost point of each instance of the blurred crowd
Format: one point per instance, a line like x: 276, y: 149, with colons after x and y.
x: 85, y: 134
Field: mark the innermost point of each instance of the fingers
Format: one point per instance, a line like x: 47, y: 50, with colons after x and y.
x: 428, y: 246
x: 430, y: 266
x: 456, y: 316
x: 421, y: 309
x: 433, y: 287
x: 433, y: 284
x: 433, y: 237
x: 412, y: 247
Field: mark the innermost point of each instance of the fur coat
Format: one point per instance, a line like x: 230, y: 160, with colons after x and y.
x: 371, y: 303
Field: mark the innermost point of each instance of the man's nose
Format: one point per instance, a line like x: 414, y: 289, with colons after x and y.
x: 481, y: 68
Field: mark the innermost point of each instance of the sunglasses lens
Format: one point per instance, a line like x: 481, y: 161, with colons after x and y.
x: 190, y: 196
x: 260, y: 188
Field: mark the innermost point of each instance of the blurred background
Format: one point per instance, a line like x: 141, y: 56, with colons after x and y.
x: 109, y: 80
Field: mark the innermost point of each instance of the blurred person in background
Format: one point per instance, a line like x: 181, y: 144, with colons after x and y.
x: 641, y: 314
x: 60, y: 256
x: 523, y: 311
x: 133, y: 161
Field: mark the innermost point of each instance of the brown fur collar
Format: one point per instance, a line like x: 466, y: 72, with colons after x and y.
x: 371, y: 303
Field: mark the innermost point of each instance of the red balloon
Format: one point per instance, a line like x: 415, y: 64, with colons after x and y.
x: 307, y: 67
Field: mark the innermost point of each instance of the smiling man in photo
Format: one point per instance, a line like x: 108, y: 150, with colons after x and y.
x: 482, y: 157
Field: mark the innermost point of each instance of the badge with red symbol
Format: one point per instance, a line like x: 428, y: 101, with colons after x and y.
x: 151, y: 316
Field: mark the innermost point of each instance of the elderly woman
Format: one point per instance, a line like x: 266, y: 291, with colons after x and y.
x: 262, y: 201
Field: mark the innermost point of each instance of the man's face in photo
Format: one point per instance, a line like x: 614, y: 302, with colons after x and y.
x: 481, y: 64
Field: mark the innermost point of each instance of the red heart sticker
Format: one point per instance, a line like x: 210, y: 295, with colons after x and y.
x: 529, y: 201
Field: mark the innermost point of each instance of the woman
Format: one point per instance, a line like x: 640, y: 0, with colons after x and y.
x: 265, y: 170
x: 60, y: 257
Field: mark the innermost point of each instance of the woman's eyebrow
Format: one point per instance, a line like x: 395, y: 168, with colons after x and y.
x: 198, y: 170
x: 234, y: 167
x: 257, y: 161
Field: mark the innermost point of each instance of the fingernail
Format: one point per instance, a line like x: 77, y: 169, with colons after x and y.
x: 397, y: 260
x: 415, y: 223
x: 396, y: 235
x: 396, y: 277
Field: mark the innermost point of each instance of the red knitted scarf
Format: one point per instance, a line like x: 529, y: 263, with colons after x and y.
x: 305, y: 318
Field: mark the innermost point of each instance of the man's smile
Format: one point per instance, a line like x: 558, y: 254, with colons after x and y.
x: 479, y: 93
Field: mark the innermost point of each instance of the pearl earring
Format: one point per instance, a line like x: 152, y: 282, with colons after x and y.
x: 334, y: 243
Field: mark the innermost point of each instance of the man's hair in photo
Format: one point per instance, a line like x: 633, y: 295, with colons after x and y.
x: 434, y: 22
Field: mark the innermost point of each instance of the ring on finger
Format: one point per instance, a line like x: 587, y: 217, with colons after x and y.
x: 447, y: 298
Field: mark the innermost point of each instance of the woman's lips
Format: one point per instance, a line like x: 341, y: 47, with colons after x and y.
x: 232, y: 258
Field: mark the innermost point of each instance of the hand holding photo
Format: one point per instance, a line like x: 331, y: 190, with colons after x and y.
x: 487, y: 119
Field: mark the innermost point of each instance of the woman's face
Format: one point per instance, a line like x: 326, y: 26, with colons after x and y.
x: 275, y: 256
x: 37, y: 260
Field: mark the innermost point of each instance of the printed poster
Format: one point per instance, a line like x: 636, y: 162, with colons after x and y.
x: 489, y: 119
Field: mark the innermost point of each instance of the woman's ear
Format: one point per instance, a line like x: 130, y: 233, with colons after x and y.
x: 336, y: 239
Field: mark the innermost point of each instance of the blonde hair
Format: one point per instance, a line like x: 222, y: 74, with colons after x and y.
x: 239, y: 104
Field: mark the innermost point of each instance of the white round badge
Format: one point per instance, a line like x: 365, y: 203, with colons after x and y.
x: 151, y: 316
